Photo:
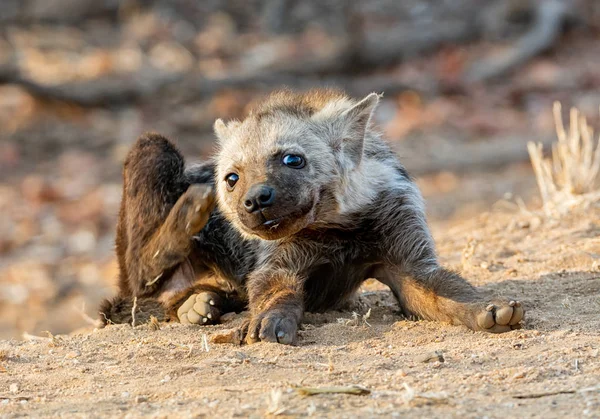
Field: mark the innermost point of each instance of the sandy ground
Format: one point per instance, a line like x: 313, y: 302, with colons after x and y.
x: 551, y: 368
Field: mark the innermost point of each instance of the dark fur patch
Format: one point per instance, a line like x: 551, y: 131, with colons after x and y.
x: 316, y: 268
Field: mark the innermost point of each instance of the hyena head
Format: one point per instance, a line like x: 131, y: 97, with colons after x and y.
x: 282, y: 168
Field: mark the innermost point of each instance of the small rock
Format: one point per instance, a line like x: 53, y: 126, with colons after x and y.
x: 13, y: 388
x: 141, y: 399
x: 431, y: 357
x: 519, y: 375
x: 72, y: 355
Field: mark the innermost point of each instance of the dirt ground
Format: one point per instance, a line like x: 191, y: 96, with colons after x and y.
x: 79, y: 84
x: 551, y: 368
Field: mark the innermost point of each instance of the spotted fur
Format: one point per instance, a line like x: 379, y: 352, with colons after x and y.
x: 351, y: 213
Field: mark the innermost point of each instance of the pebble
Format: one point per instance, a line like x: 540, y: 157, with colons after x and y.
x: 431, y: 356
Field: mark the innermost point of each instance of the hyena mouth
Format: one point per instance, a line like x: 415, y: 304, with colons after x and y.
x: 273, y: 224
x: 284, y: 225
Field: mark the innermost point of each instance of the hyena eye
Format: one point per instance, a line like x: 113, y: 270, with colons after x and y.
x: 294, y: 161
x: 231, y: 180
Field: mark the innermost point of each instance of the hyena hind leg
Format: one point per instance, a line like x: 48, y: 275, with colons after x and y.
x: 204, y: 303
x: 160, y: 212
x: 443, y: 295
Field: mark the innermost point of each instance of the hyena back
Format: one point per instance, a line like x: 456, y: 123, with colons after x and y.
x: 311, y: 202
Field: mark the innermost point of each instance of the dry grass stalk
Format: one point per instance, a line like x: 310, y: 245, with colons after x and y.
x: 205, y: 343
x: 570, y: 176
x: 274, y: 408
x: 133, y: 311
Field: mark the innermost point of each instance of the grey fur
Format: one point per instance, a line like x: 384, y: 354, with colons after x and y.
x: 350, y: 214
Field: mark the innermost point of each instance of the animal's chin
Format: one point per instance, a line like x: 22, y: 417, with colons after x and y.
x: 282, y: 226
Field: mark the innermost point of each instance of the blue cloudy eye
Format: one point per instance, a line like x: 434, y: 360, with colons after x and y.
x: 231, y: 180
x: 294, y: 161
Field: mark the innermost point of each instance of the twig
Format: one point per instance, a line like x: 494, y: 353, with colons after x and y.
x: 554, y: 393
x: 133, y: 311
x: 539, y: 395
x: 311, y: 391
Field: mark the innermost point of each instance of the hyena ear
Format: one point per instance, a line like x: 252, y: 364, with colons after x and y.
x: 221, y: 130
x: 356, y: 121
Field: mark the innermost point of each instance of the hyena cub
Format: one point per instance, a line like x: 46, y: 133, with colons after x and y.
x: 311, y: 203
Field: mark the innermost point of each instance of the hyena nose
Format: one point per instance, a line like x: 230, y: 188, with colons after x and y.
x: 259, y: 197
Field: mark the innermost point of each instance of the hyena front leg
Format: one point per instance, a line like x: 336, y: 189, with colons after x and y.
x: 442, y: 295
x: 427, y: 290
x: 276, y: 302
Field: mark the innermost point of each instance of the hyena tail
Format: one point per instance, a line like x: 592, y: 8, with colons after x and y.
x: 120, y: 309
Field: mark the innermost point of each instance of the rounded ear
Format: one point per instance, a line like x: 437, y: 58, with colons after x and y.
x: 220, y: 129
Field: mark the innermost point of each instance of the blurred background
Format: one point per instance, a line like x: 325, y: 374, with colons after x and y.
x: 467, y: 83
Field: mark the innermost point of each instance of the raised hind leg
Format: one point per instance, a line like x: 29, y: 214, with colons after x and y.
x: 160, y: 213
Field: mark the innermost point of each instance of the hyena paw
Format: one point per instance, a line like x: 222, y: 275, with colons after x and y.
x: 196, y: 205
x: 271, y: 326
x: 500, y: 317
x: 201, y: 308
